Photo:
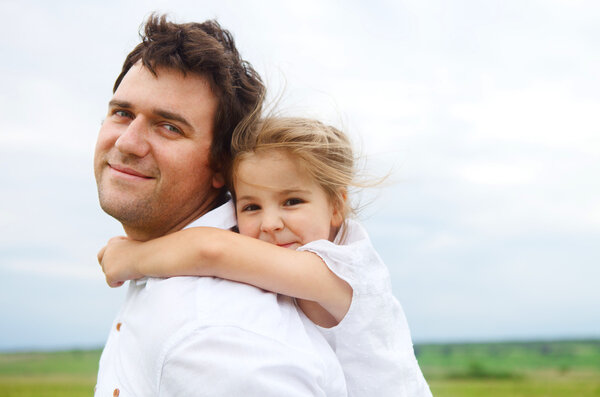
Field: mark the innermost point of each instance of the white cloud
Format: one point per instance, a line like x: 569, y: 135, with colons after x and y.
x: 441, y: 242
x: 487, y: 111
x: 43, y: 115
x: 53, y: 269
x: 545, y: 114
x: 498, y: 174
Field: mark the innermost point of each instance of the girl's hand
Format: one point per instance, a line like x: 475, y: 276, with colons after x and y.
x: 118, y: 261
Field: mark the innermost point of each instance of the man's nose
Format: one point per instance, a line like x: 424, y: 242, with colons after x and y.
x: 133, y: 138
x: 271, y: 221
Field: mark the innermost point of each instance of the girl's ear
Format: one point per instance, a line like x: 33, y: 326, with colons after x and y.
x: 339, y: 207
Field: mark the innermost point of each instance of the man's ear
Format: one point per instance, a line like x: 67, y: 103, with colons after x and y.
x: 218, y: 180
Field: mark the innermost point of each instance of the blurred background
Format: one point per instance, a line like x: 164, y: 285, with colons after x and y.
x: 486, y: 113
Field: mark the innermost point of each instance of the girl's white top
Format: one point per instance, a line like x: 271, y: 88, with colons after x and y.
x: 372, y: 342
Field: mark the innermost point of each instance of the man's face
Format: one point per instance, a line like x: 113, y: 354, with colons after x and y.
x: 152, y: 155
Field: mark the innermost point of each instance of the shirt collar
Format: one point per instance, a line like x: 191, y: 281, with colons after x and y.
x: 222, y: 217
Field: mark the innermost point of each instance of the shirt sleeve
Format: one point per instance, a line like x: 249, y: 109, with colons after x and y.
x: 372, y: 341
x: 230, y: 361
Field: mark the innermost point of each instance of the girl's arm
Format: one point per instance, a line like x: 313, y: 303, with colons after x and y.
x: 205, y: 251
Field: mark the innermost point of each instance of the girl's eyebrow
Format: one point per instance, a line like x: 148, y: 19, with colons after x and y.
x: 246, y: 198
x: 292, y: 191
x: 284, y: 192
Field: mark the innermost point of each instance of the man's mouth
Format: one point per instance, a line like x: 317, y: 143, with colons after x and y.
x: 127, y: 171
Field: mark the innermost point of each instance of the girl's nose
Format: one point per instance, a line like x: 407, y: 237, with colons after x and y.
x: 271, y: 222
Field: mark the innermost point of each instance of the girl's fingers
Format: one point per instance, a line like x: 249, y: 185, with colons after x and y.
x: 115, y: 284
x: 101, y: 255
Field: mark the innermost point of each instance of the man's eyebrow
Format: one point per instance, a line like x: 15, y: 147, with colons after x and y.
x: 172, y: 116
x: 115, y: 103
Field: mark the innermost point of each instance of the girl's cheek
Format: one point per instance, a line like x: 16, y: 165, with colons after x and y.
x: 247, y: 228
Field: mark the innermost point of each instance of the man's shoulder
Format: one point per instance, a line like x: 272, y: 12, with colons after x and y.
x: 169, y: 324
x: 197, y: 303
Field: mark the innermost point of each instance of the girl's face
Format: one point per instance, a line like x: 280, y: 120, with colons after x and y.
x: 278, y: 203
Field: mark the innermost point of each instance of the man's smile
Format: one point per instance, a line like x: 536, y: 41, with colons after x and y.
x: 124, y: 171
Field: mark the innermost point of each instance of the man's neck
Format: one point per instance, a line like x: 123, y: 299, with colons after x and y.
x: 149, y: 232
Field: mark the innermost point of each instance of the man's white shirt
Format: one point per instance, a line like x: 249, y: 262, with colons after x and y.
x: 204, y: 336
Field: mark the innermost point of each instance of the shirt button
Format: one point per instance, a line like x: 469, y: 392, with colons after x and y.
x: 116, y: 393
x: 119, y: 326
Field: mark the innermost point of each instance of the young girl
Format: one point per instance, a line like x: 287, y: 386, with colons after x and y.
x: 289, y: 180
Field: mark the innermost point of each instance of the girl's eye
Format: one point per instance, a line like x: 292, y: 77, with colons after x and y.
x: 250, y: 207
x: 293, y: 201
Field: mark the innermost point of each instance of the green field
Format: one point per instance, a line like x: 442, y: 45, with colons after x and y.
x: 46, y: 374
x: 527, y: 369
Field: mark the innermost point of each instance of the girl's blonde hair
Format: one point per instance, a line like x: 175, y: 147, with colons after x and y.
x: 324, y: 153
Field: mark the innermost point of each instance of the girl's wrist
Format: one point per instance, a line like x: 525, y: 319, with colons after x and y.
x: 141, y: 262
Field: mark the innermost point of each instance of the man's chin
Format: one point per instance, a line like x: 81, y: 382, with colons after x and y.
x: 129, y: 212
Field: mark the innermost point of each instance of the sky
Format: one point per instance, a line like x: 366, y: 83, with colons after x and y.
x: 484, y: 115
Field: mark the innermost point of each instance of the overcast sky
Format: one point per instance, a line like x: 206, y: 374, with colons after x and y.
x: 485, y: 111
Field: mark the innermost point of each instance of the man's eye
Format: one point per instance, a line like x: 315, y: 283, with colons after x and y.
x: 293, y: 201
x: 172, y: 128
x: 250, y: 207
x: 122, y: 113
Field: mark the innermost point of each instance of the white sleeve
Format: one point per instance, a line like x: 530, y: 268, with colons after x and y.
x: 230, y: 361
x: 372, y: 341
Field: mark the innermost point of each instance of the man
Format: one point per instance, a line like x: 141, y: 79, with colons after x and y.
x: 159, y: 163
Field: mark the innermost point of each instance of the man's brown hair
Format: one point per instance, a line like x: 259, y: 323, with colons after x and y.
x: 208, y: 50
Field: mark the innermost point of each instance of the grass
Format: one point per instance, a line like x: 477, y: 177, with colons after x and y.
x: 512, y: 369
x: 529, y: 387
x: 48, y: 374
x: 513, y: 356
